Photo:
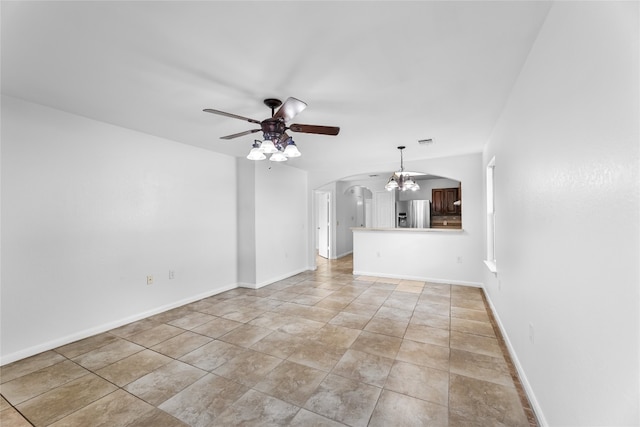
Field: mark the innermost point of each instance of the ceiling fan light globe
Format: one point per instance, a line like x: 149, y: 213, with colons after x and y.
x: 257, y: 145
x: 256, y: 154
x: 278, y: 156
x: 292, y: 150
x: 268, y: 147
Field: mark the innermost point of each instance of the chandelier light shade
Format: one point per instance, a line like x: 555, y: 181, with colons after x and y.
x: 401, y: 180
x: 392, y: 184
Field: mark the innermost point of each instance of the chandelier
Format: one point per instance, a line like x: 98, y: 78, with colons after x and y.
x: 402, y: 180
x: 279, y: 151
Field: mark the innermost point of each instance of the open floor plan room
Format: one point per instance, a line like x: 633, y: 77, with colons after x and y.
x: 322, y: 348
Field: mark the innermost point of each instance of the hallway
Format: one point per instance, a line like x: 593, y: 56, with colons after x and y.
x: 322, y: 348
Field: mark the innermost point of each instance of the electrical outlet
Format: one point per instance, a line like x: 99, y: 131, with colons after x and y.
x: 149, y: 280
x: 531, y: 334
x: 171, y: 274
x: 459, y: 260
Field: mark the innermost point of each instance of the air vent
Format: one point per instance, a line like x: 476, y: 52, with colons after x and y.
x: 425, y: 141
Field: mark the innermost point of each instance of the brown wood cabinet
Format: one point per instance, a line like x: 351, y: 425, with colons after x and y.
x: 442, y: 200
x: 444, y: 213
x: 446, y: 221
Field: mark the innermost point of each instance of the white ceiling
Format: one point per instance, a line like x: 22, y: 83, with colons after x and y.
x: 387, y: 73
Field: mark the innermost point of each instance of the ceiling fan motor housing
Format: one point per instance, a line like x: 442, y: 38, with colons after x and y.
x: 273, y: 128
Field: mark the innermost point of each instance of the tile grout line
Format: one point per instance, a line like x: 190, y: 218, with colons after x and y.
x: 11, y: 405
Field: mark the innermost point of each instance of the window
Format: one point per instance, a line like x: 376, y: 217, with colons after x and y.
x: 490, y: 260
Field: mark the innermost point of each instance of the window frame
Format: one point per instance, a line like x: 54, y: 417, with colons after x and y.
x: 490, y: 192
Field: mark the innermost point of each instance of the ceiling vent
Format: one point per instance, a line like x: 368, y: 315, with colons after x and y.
x: 425, y: 141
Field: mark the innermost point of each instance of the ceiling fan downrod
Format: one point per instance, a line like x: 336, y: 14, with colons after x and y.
x: 272, y: 103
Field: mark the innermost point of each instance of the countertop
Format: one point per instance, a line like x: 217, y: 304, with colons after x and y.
x: 410, y: 230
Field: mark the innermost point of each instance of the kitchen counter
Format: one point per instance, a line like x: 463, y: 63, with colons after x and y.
x: 426, y: 254
x: 411, y: 230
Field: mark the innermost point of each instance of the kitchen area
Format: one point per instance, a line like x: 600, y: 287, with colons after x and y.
x: 423, y: 239
x: 362, y: 220
x: 441, y: 211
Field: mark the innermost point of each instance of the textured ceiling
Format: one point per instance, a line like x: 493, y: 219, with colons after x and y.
x: 387, y: 73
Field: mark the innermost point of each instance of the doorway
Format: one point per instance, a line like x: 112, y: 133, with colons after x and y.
x: 323, y: 215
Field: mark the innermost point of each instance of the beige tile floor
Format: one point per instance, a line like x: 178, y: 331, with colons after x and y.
x: 322, y: 348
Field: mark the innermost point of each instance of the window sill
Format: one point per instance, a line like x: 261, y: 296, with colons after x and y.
x: 491, y: 265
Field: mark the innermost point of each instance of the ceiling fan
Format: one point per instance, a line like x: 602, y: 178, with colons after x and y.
x: 274, y: 128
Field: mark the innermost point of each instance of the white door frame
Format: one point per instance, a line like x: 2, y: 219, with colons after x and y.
x: 323, y: 223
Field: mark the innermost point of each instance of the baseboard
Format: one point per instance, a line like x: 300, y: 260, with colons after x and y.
x: 50, y: 345
x: 514, y: 357
x: 342, y: 255
x: 246, y: 285
x: 418, y: 278
x: 273, y: 279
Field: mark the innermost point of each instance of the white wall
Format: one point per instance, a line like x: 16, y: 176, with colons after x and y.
x: 372, y: 184
x: 567, y: 216
x: 246, y: 179
x: 431, y: 256
x: 468, y: 244
x: 88, y: 211
x: 281, y: 215
x: 366, y: 188
x: 346, y: 204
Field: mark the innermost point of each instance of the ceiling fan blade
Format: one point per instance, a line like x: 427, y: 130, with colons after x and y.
x: 291, y: 108
x: 233, y: 116
x: 322, y: 130
x: 235, y: 135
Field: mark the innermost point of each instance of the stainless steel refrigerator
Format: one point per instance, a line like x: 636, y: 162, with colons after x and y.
x: 413, y: 214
